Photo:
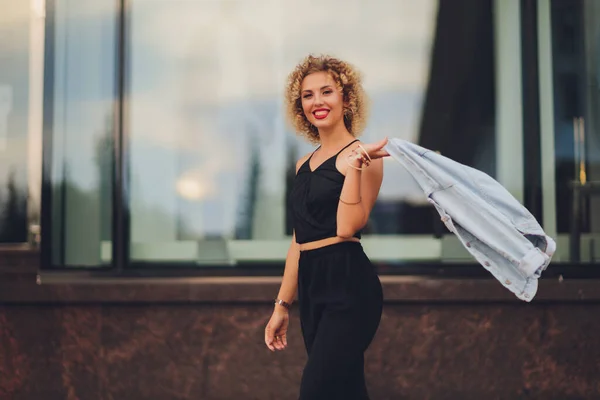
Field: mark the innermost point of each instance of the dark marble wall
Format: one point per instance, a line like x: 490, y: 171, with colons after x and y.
x: 194, y: 351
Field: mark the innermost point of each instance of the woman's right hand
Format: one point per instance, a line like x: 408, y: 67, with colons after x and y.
x: 375, y: 150
x: 276, y: 330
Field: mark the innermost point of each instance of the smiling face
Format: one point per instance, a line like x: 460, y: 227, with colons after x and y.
x: 322, y: 100
x: 331, y: 84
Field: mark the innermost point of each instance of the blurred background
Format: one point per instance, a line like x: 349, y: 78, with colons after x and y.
x: 146, y: 138
x: 179, y: 103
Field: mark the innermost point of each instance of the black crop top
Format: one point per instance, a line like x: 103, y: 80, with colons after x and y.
x: 315, y: 198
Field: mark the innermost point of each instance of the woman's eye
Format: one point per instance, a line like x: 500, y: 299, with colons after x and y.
x: 306, y: 96
x: 327, y: 92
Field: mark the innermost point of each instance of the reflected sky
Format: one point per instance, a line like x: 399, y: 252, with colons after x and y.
x: 207, y: 78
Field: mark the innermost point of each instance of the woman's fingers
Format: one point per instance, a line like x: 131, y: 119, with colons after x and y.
x: 374, y: 147
x: 375, y: 150
x: 269, y: 338
x: 275, y: 340
x: 270, y: 344
x: 280, y: 341
x: 380, y: 154
x: 381, y: 143
x: 276, y: 332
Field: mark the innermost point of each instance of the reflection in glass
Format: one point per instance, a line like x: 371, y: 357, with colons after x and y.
x: 15, y: 84
x: 211, y: 157
x: 576, y: 70
x: 80, y: 123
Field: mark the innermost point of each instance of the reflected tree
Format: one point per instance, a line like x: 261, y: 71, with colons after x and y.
x: 248, y: 204
x: 13, y: 214
x: 290, y: 174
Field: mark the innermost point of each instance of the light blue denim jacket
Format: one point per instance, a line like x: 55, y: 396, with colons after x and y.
x: 493, y: 226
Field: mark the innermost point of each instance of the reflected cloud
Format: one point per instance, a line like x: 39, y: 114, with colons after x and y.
x: 205, y: 82
x: 195, y: 188
x: 252, y: 46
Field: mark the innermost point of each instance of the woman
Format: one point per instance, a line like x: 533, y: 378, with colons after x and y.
x: 339, y: 293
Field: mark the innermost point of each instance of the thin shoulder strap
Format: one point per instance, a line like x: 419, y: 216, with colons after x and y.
x: 314, y: 151
x: 345, y: 147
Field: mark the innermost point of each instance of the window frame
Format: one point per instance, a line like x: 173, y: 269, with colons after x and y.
x: 533, y: 118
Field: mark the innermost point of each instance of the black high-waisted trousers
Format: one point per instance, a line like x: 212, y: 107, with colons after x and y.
x: 340, y: 301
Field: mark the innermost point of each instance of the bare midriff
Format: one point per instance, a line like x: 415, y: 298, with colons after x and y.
x: 326, y: 242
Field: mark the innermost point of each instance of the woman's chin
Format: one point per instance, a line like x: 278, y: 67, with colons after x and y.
x: 324, y: 123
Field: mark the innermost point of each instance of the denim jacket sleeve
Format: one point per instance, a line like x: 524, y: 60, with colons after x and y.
x: 493, y: 226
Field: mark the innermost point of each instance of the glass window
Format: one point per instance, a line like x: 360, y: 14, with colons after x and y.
x: 574, y: 127
x: 79, y: 119
x: 211, y: 159
x: 21, y: 71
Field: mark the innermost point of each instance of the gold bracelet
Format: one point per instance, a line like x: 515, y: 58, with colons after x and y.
x: 351, y: 204
x: 365, y: 160
x: 359, y: 169
x: 364, y: 151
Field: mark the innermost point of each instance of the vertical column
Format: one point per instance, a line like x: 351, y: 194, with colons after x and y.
x: 120, y: 182
x: 35, y: 124
x: 546, y: 117
x: 509, y: 101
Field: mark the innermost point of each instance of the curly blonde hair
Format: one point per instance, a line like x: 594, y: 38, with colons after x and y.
x: 346, y: 78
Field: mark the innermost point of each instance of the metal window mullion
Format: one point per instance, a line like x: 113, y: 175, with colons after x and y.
x: 546, y: 88
x: 120, y: 206
x: 531, y: 110
x: 46, y: 228
x: 509, y: 99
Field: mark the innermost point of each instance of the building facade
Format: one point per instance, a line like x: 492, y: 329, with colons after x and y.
x: 150, y: 132
x: 145, y: 167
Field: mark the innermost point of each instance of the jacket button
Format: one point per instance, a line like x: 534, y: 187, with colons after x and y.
x: 468, y: 244
x: 507, y: 282
x: 526, y: 296
x: 487, y: 264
